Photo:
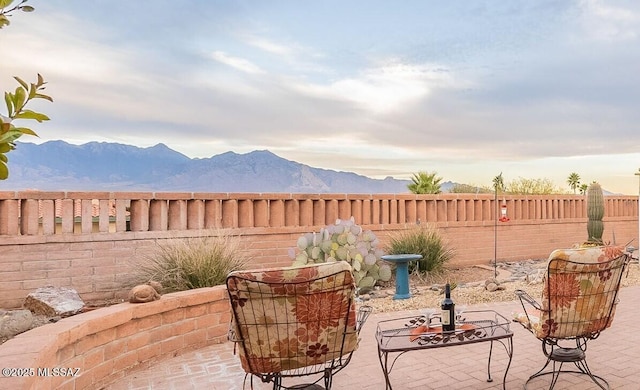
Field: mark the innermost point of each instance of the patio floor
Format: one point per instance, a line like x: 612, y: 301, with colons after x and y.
x: 614, y: 355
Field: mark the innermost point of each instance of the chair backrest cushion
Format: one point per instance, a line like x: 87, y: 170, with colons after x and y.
x: 580, y: 291
x: 293, y: 317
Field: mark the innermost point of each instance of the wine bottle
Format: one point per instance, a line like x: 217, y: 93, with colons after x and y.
x: 448, y: 311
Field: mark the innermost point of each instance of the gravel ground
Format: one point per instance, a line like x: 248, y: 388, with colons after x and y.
x: 470, y: 289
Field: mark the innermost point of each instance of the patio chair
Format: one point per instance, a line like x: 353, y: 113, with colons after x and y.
x: 579, y: 299
x: 295, y: 321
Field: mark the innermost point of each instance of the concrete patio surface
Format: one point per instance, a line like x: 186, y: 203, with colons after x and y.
x: 614, y: 355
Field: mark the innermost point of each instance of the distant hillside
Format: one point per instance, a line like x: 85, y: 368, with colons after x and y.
x: 101, y: 166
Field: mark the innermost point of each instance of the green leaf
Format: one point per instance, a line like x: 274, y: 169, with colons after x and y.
x: 4, y: 171
x: 40, y: 80
x: 24, y: 85
x: 26, y: 131
x: 5, y: 3
x: 28, y: 114
x: 10, y: 136
x: 19, y: 98
x: 27, y: 8
x: 8, y: 100
x: 32, y: 91
x: 5, y: 147
x: 3, y: 157
x: 42, y: 96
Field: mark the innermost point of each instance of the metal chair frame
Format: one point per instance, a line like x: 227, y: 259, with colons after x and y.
x: 290, y: 291
x: 573, y: 348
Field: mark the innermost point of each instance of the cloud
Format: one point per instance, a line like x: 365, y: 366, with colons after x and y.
x: 382, y: 89
x: 386, y: 90
x: 269, y: 46
x: 240, y: 64
x: 289, y: 57
x: 609, y: 23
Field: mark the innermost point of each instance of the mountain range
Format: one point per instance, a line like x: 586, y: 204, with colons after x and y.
x: 103, y: 166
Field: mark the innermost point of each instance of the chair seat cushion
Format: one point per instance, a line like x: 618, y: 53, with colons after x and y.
x: 531, y: 322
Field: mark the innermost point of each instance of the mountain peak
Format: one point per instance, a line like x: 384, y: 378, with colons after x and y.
x: 94, y: 166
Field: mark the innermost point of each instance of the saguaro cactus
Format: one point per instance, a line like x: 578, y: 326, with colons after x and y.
x: 595, y: 212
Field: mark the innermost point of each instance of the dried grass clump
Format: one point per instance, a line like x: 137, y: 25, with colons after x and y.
x: 188, y: 263
x: 425, y: 241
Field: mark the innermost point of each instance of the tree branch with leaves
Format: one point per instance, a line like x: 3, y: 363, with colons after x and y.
x: 5, y: 11
x: 17, y: 100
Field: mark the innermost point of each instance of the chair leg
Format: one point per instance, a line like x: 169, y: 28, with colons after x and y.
x: 584, y: 368
x: 559, y: 356
x: 556, y: 375
x: 328, y: 378
x: 277, y: 382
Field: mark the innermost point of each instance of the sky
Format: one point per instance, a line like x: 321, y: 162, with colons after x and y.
x: 467, y: 89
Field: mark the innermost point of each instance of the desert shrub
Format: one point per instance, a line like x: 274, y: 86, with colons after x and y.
x: 524, y: 186
x: 195, y: 262
x: 425, y: 241
x: 470, y: 189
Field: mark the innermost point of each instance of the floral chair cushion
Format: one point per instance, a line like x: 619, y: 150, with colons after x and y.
x: 579, y: 293
x: 288, y: 318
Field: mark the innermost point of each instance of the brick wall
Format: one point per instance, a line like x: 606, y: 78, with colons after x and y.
x: 104, y: 345
x: 98, y: 260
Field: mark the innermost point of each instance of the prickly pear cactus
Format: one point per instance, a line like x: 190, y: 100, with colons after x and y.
x: 345, y: 241
x: 595, y: 213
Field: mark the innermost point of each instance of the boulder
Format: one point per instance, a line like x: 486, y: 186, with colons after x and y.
x: 54, y: 301
x: 149, y: 292
x: 14, y: 322
x: 492, y: 285
x: 143, y: 293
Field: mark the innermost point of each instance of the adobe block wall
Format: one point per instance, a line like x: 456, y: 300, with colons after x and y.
x: 108, y: 343
x: 91, y: 241
x: 101, y: 266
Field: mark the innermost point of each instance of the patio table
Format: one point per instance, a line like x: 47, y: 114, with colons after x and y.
x: 406, y: 334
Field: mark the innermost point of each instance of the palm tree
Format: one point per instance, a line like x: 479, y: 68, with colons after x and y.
x: 574, y: 181
x: 583, y: 188
x: 498, y: 183
x: 425, y: 183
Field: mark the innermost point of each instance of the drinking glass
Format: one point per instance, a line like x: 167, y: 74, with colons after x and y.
x: 427, y: 314
x: 460, y: 309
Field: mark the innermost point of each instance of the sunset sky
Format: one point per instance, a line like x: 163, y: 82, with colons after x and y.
x: 469, y: 89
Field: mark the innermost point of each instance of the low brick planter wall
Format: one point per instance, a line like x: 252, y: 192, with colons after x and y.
x: 98, y: 347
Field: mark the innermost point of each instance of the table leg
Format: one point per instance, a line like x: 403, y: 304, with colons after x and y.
x: 385, y: 367
x: 489, y: 379
x: 509, y: 348
x: 510, y: 353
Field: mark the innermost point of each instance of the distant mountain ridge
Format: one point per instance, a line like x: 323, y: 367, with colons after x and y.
x: 103, y: 166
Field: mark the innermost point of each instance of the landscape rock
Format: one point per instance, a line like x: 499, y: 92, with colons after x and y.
x: 54, y: 301
x: 492, y: 285
x: 145, y: 292
x: 536, y: 278
x: 365, y: 297
x: 14, y: 322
